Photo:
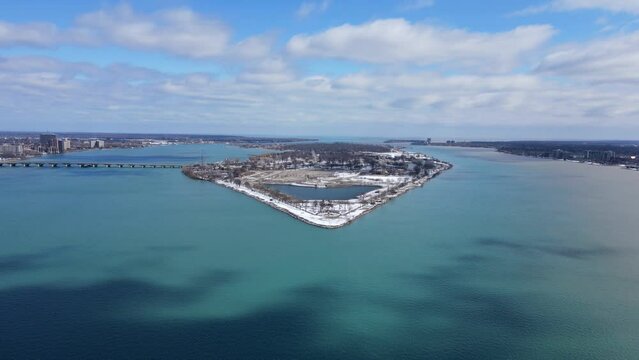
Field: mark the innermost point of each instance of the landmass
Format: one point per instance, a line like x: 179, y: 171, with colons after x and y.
x: 620, y: 153
x: 389, y: 171
x: 15, y: 146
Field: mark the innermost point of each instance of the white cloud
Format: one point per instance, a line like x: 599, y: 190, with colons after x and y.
x: 255, y: 47
x: 391, y: 41
x: 308, y: 8
x: 268, y: 96
x: 629, y: 6
x: 32, y: 34
x: 417, y: 5
x: 267, y: 71
x: 593, y: 83
x: 179, y: 32
x: 613, y: 59
x: 618, y: 6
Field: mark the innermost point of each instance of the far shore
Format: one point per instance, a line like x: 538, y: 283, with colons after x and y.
x: 591, y: 163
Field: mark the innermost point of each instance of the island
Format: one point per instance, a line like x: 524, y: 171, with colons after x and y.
x: 328, y: 185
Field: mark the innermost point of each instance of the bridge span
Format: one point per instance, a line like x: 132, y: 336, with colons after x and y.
x: 85, y: 165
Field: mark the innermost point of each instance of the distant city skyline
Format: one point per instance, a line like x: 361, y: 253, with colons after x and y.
x: 540, y: 69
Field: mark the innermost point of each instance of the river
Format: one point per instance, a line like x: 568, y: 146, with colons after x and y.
x: 502, y: 257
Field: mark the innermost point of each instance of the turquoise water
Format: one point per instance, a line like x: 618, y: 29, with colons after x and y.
x: 329, y: 193
x: 501, y: 257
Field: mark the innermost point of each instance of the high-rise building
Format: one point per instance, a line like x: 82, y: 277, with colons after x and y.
x: 96, y: 144
x: 49, y: 143
x: 64, y: 145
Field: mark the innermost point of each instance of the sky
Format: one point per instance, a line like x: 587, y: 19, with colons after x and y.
x: 459, y: 69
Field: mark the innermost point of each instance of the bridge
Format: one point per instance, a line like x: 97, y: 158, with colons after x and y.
x: 84, y: 165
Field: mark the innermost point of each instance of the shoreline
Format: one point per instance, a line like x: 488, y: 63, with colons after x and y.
x: 70, y: 151
x: 589, y: 163
x: 348, y: 210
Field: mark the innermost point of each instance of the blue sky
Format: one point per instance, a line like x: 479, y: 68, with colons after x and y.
x: 427, y: 68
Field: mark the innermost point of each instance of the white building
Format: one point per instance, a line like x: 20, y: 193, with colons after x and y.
x: 64, y: 145
x: 11, y: 150
x: 95, y: 144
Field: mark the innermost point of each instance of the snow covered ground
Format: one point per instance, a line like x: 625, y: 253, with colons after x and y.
x: 336, y: 213
x: 350, y: 210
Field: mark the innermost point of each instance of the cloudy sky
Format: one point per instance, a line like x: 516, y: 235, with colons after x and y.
x: 493, y: 69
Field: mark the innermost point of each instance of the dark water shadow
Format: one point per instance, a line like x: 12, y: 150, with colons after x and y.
x: 152, y: 258
x: 30, y: 261
x: 489, y: 322
x: 457, y: 299
x: 579, y: 253
x: 170, y: 248
x: 80, y: 322
x: 479, y: 322
x: 472, y: 258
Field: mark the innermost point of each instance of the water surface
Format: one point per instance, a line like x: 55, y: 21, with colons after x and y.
x: 327, y: 193
x: 501, y: 257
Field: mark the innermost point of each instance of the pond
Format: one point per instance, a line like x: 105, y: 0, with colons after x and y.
x: 327, y: 193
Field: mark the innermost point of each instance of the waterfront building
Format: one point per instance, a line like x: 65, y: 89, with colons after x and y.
x: 49, y: 143
x: 95, y: 144
x: 11, y: 150
x: 64, y: 145
x: 600, y: 156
